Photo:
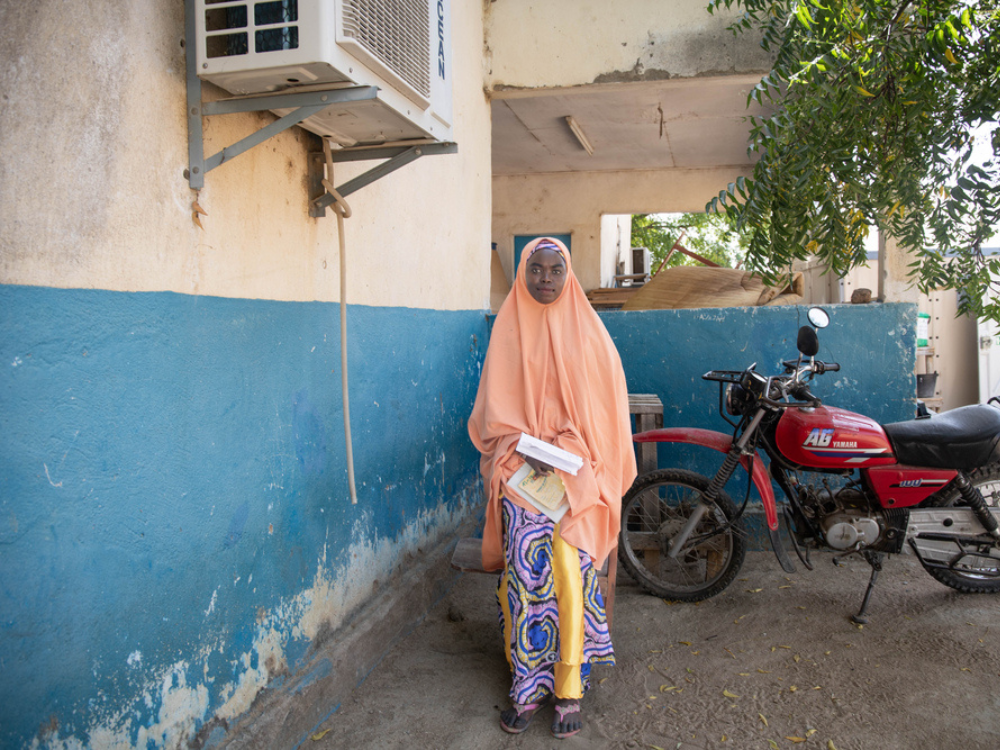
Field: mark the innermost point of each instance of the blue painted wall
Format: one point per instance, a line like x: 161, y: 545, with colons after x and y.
x: 173, y: 483
x: 172, y: 474
x: 667, y: 351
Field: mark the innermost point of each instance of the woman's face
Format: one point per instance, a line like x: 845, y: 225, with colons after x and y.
x: 546, y: 275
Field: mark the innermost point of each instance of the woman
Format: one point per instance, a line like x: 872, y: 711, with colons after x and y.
x: 552, y: 371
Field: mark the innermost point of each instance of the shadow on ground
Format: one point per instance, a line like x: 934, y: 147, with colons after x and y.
x: 773, y: 662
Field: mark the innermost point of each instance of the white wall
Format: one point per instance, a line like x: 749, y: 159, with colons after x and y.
x: 93, y: 144
x: 547, y: 43
x: 616, y: 246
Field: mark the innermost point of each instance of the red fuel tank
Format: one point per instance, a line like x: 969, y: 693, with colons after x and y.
x: 831, y: 438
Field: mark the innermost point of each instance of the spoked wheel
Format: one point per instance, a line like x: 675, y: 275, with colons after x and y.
x: 654, y: 511
x: 973, y: 574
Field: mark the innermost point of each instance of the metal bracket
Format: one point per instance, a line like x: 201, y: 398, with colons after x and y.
x: 396, y: 157
x: 306, y: 104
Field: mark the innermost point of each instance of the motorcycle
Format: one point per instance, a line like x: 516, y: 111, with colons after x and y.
x: 928, y: 486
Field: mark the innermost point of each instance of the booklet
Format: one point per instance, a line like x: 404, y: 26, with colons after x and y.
x: 547, y: 493
x: 550, y: 454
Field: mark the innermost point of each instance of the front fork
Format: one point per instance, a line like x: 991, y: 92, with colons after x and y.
x: 723, y: 475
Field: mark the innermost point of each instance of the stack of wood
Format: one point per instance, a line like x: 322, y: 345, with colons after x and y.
x: 693, y: 286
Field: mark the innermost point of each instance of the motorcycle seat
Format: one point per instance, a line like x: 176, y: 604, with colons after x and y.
x: 961, y: 439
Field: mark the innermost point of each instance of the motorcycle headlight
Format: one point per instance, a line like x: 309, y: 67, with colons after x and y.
x: 738, y: 399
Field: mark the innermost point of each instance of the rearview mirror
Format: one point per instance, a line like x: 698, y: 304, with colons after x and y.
x: 819, y: 317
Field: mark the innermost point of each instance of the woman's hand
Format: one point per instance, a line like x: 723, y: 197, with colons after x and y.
x: 540, y: 467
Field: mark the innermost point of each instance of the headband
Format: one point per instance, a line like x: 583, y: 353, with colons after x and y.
x: 546, y: 245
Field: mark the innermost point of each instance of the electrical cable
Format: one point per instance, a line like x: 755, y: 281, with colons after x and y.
x: 343, y: 211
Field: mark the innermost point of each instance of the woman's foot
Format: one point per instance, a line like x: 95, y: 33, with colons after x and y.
x: 568, y: 719
x: 517, y: 718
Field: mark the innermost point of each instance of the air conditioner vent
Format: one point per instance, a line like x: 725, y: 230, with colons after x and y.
x: 274, y: 27
x: 395, y: 33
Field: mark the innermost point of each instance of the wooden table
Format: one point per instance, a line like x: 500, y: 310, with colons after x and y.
x: 648, y: 411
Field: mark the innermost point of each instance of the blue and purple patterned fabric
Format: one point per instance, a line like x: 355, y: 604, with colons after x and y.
x: 529, y: 587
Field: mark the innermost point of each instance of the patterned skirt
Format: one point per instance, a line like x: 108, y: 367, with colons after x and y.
x: 551, y: 610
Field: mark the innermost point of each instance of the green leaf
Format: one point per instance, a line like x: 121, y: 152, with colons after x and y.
x: 866, y: 129
x: 802, y: 13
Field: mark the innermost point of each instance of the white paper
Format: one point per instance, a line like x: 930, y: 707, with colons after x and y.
x: 550, y: 454
x: 556, y: 515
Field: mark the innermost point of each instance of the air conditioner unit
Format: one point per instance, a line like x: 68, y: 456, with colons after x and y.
x: 642, y: 260
x: 403, y: 47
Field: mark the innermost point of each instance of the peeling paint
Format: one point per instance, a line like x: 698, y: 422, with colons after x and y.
x: 439, y: 460
x: 238, y: 697
x: 211, y: 604
x: 638, y: 73
x: 181, y: 709
x: 335, y: 593
x: 332, y: 597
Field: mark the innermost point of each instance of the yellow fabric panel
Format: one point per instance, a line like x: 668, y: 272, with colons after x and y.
x: 568, y: 581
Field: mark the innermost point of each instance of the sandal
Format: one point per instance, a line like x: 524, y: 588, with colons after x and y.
x: 568, y: 720
x: 517, y: 718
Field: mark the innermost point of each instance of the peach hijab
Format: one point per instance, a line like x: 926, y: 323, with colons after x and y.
x: 553, y: 372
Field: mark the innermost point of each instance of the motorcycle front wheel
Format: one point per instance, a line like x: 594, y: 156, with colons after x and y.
x: 972, y: 574
x: 654, y: 511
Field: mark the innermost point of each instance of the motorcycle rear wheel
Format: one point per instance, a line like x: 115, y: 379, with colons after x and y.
x: 653, y: 511
x: 973, y: 575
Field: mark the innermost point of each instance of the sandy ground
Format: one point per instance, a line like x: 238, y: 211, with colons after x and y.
x: 773, y: 662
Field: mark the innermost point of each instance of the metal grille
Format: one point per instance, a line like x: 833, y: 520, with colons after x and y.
x: 225, y: 19
x: 274, y: 24
x: 276, y: 37
x: 396, y: 33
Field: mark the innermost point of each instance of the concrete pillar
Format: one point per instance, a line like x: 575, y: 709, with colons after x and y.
x: 894, y: 284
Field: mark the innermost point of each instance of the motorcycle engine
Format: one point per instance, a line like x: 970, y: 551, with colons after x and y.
x: 846, y: 518
x: 845, y: 530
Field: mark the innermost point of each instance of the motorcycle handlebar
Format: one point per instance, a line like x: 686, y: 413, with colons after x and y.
x: 802, y: 394
x: 793, y: 388
x: 817, y: 367
x: 789, y: 404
